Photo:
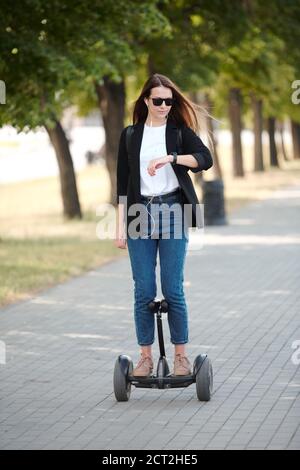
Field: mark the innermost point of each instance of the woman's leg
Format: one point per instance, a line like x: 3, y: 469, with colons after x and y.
x: 146, y: 351
x: 180, y: 349
x: 172, y: 253
x: 143, y: 258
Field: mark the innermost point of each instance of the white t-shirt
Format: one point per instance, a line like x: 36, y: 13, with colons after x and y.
x: 154, y: 146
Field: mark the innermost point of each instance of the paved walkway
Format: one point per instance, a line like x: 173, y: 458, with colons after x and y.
x: 243, y: 295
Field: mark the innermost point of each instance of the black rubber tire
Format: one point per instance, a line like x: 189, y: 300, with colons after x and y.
x: 122, y: 386
x: 204, y: 381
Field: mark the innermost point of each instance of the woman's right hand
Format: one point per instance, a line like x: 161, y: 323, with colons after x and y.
x: 121, y: 241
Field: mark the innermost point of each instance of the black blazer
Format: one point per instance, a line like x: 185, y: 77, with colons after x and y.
x: 128, y: 167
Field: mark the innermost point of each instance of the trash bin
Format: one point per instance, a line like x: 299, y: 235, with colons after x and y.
x: 214, y: 204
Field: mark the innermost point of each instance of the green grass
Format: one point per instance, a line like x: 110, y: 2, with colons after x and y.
x: 38, y: 247
x: 27, y: 265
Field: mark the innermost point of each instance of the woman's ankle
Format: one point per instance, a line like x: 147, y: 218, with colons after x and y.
x: 179, y: 349
x: 146, y: 351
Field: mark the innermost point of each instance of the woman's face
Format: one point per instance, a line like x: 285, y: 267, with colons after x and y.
x: 161, y: 111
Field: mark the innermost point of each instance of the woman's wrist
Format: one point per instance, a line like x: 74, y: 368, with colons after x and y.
x: 172, y: 157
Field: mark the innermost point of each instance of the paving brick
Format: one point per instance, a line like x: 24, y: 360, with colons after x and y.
x: 242, y: 292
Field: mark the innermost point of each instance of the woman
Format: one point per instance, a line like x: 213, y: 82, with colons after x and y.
x: 153, y: 175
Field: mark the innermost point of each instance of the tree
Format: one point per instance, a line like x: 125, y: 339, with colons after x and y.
x: 36, y: 72
x: 46, y: 61
x: 199, y: 41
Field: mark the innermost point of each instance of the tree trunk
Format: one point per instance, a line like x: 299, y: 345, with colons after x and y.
x: 295, y: 128
x: 283, y: 149
x: 272, y: 142
x: 70, y: 199
x: 111, y: 99
x: 235, y: 103
x: 212, y: 191
x: 258, y: 130
x: 212, y: 143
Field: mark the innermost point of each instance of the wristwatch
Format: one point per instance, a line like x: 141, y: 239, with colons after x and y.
x: 174, y: 157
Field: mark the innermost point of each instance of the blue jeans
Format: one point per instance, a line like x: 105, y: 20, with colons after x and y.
x: 172, y: 252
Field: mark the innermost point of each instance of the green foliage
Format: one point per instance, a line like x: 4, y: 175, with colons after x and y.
x: 52, y: 51
x: 200, y: 31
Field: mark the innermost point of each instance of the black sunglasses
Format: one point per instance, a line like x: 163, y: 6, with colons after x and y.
x: 159, y: 101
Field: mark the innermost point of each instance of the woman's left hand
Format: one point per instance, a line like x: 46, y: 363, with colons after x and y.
x: 157, y: 163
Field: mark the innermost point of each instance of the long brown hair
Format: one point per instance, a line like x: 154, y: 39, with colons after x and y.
x: 182, y: 111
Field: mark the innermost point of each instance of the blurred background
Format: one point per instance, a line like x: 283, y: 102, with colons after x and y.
x: 69, y: 75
